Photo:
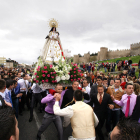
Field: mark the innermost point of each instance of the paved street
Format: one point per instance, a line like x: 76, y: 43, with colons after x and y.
x: 28, y: 130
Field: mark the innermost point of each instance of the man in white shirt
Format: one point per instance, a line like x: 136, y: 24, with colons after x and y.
x: 9, y: 87
x: 36, y: 96
x: 2, y: 91
x: 82, y: 118
x: 87, y: 89
x: 24, y: 84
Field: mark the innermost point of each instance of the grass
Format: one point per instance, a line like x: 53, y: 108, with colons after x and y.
x: 116, y: 70
x: 135, y: 59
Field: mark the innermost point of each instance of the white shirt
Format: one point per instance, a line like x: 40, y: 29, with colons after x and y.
x: 67, y: 112
x: 2, y: 94
x: 7, y: 98
x: 36, y: 89
x: 22, y: 85
x: 88, y: 91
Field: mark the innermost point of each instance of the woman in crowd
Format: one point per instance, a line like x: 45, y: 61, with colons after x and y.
x: 123, y: 83
x: 136, y: 88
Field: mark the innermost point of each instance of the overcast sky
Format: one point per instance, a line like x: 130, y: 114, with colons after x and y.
x: 85, y: 25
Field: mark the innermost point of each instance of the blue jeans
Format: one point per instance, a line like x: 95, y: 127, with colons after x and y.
x: 114, y: 116
x: 105, y: 69
x: 15, y: 106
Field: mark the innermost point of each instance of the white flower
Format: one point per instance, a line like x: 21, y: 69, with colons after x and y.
x: 57, y: 78
x: 67, y: 77
x: 63, y: 78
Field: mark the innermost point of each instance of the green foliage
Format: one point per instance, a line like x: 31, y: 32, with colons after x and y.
x: 135, y: 59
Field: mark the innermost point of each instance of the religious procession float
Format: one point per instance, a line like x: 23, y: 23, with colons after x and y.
x: 52, y: 66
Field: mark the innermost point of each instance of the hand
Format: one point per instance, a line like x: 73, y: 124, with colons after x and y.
x: 111, y: 106
x: 58, y: 97
x: 83, y: 90
x: 112, y: 97
x: 9, y: 104
x: 105, y: 85
x: 54, y: 96
x: 19, y: 100
x: 19, y: 95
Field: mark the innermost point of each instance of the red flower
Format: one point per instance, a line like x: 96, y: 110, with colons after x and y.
x: 34, y: 79
x: 43, y: 75
x: 37, y: 81
x: 71, y: 79
x: 51, y: 66
x: 46, y: 80
x: 52, y: 76
x: 74, y: 79
x: 74, y: 71
x: 78, y: 79
x: 46, y: 71
x: 48, y: 75
x: 37, y: 76
x: 51, y: 72
x: 74, y: 75
x: 43, y: 71
x: 71, y: 76
x: 43, y: 81
x: 45, y: 67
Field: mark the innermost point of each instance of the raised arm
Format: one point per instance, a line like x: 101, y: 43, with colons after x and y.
x: 47, y: 99
x: 120, y: 103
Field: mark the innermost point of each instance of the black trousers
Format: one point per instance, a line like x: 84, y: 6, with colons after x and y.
x: 24, y: 99
x: 43, y: 94
x: 35, y: 97
x: 99, y: 129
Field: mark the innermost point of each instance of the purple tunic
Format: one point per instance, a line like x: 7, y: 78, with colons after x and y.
x: 49, y: 100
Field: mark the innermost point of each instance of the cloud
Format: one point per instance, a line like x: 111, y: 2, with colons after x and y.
x: 84, y: 26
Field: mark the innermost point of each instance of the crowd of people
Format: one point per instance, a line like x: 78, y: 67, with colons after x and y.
x: 96, y: 101
x: 111, y: 67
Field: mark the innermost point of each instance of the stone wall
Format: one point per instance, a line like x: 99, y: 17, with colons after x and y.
x: 135, y: 49
x: 118, y: 53
x: 104, y: 54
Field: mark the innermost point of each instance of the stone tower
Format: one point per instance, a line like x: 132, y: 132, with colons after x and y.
x: 103, y: 53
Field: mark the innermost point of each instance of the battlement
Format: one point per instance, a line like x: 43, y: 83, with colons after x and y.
x: 104, y: 54
x: 119, y: 50
x: 135, y: 45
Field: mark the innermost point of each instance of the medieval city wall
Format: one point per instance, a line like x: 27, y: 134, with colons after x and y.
x: 104, y: 54
x: 135, y: 49
x: 118, y: 53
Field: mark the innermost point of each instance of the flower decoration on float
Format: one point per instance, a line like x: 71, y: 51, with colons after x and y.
x: 64, y: 73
